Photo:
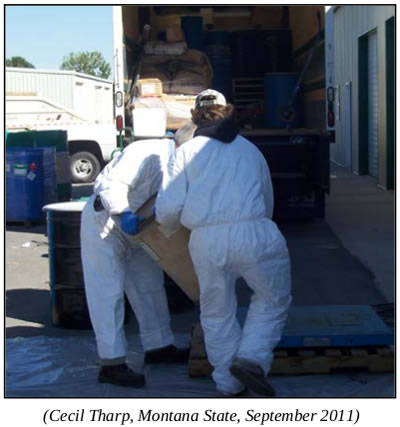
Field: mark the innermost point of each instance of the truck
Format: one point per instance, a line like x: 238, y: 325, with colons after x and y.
x: 253, y: 51
x: 82, y: 105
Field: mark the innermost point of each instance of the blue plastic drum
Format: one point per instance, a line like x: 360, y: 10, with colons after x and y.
x: 277, y: 90
x: 30, y: 182
x: 192, y: 27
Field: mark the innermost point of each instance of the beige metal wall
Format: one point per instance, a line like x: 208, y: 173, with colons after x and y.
x: 55, y: 86
x: 87, y: 96
x: 351, y: 22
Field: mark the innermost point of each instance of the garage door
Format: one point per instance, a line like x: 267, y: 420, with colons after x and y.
x: 372, y: 106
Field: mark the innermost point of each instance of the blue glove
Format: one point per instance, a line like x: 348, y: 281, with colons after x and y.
x: 130, y: 222
x: 153, y: 209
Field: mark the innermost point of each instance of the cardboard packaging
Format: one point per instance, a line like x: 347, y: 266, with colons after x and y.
x: 169, y: 248
x: 150, y: 87
x: 174, y: 34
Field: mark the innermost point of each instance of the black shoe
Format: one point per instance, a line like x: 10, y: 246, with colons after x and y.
x: 121, y: 375
x: 252, y: 376
x: 168, y: 354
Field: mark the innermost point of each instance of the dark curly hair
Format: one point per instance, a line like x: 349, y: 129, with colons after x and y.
x: 211, y: 113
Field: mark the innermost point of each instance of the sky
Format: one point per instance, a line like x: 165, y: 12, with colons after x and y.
x: 44, y: 34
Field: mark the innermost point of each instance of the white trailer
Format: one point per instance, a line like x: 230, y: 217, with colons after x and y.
x: 80, y: 104
x: 265, y: 40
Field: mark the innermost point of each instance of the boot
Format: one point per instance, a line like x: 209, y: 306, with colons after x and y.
x: 168, y: 354
x: 252, y: 376
x: 121, y: 375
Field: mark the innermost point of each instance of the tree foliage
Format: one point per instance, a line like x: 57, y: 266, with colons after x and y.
x: 18, y: 61
x: 91, y: 63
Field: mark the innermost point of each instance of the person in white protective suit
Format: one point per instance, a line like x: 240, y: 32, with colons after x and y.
x: 114, y: 265
x: 220, y: 188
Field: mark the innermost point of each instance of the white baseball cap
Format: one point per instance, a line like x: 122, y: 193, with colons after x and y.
x: 209, y: 97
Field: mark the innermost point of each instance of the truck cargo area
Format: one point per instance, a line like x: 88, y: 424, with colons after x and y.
x: 268, y: 61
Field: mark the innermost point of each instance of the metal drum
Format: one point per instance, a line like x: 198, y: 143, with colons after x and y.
x: 67, y: 291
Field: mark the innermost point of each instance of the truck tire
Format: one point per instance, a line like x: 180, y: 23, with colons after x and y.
x: 85, y: 167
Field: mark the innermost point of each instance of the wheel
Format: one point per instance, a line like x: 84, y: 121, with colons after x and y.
x: 85, y: 166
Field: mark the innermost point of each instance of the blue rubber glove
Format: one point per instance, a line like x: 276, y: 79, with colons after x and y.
x: 130, y: 222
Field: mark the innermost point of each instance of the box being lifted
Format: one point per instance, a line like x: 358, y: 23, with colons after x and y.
x: 169, y: 248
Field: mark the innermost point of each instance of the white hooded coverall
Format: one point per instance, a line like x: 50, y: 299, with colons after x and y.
x: 223, y: 193
x: 113, y: 264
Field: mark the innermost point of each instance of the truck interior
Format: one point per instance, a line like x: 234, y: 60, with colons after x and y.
x: 244, y: 45
x: 268, y: 61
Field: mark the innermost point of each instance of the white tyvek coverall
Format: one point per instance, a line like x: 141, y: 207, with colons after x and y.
x: 223, y: 193
x: 113, y: 264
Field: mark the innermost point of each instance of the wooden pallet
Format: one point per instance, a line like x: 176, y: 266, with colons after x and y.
x: 303, y: 361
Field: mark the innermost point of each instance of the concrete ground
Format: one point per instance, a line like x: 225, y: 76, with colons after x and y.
x: 346, y: 259
x: 362, y: 216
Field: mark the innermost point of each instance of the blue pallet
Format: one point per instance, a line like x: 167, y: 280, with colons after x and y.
x: 332, y: 326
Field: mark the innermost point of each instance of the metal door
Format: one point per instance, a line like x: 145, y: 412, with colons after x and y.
x: 348, y: 124
x: 372, y: 106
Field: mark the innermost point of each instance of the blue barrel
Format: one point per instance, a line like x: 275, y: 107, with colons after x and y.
x: 256, y: 52
x: 192, y: 27
x: 222, y: 75
x: 30, y: 182
x: 217, y: 38
x: 48, y: 138
x: 277, y: 90
x: 218, y: 50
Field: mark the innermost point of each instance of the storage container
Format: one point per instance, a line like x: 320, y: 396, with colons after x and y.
x: 30, y: 182
x: 150, y: 87
x: 256, y: 52
x: 192, y: 27
x: 149, y: 122
x: 49, y: 138
x: 218, y: 50
x: 67, y: 291
x: 278, y: 88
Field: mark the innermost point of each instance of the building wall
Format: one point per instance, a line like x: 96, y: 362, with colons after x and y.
x: 87, y: 96
x: 350, y: 23
x: 54, y: 86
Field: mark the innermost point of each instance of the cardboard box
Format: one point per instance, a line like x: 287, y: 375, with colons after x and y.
x: 207, y: 14
x: 169, y: 248
x: 165, y: 21
x: 177, y: 108
x: 150, y: 87
x: 174, y: 34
